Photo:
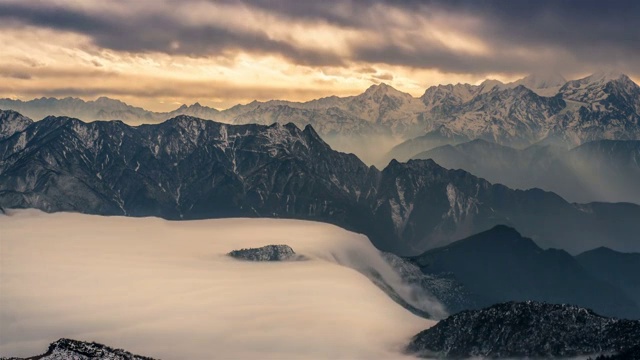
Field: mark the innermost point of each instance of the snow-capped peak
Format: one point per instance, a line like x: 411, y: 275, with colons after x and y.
x: 382, y: 89
x: 604, y: 76
x: 542, y: 80
x: 489, y: 85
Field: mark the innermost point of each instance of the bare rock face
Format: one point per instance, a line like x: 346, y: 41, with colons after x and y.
x: 65, y: 349
x: 267, y: 253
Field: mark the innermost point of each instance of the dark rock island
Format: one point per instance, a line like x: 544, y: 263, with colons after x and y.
x: 267, y: 253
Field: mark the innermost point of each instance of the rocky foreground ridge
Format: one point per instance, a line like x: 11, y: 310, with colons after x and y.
x: 526, y: 329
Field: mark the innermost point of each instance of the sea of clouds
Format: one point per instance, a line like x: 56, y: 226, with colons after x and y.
x: 167, y: 290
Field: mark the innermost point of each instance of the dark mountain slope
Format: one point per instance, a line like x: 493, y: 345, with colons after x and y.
x: 619, y: 269
x: 500, y: 265
x: 526, y: 330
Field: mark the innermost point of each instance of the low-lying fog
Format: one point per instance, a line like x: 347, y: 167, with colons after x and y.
x: 166, y: 289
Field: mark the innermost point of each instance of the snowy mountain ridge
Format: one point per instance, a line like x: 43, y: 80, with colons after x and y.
x: 540, y: 107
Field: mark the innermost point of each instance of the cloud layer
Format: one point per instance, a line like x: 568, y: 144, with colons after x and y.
x: 161, y: 50
x: 165, y: 289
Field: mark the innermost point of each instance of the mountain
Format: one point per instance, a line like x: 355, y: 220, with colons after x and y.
x: 188, y: 168
x: 184, y: 167
x: 516, y: 117
x: 543, y: 84
x: 433, y: 139
x: 600, y: 106
x: 103, y: 108
x: 500, y: 265
x: 195, y: 110
x: 526, y: 330
x: 619, y: 269
x: 443, y: 287
x: 539, y: 109
x: 65, y: 349
x: 12, y: 122
x: 605, y: 170
x: 420, y: 205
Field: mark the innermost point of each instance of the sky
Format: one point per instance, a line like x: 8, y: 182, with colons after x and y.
x: 159, y: 54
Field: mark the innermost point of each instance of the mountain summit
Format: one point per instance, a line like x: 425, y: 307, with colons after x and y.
x: 544, y: 84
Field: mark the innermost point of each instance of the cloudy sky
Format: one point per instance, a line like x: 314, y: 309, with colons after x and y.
x: 162, y: 53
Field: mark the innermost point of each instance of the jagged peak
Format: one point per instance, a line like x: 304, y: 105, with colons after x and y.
x: 195, y: 105
x: 8, y: 112
x: 308, y: 129
x: 12, y: 122
x: 104, y: 99
x: 416, y: 164
x: 383, y: 89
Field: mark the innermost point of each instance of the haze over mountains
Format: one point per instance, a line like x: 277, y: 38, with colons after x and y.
x: 538, y: 108
x: 603, y: 170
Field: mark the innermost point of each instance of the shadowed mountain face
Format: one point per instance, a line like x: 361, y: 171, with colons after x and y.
x: 433, y: 139
x: 619, y: 269
x: 526, y: 330
x: 500, y: 265
x: 12, y: 122
x: 187, y: 168
x: 605, y: 170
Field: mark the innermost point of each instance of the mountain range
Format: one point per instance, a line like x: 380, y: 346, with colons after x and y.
x: 103, y: 108
x: 597, y: 107
x: 188, y: 168
x: 540, y: 108
x: 603, y: 170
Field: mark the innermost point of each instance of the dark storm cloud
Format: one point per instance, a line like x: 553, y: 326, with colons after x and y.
x: 520, y: 36
x: 158, y: 32
x: 570, y: 34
